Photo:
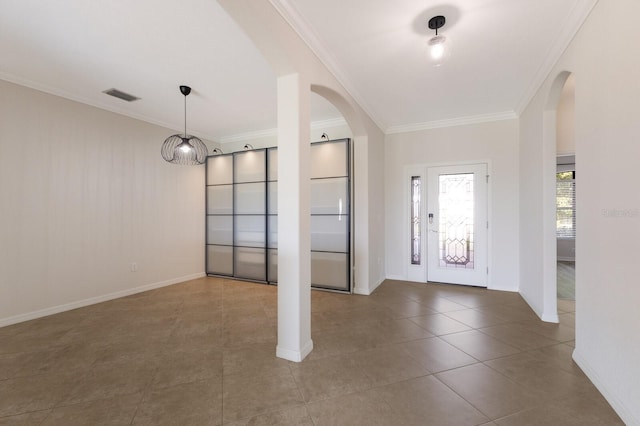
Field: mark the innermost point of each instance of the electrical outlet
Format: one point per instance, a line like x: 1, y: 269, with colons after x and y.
x: 134, y: 267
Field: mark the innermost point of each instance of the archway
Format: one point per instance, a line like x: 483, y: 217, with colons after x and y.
x: 549, y: 164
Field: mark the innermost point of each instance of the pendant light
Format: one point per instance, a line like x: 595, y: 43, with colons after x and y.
x: 439, y: 46
x: 184, y: 149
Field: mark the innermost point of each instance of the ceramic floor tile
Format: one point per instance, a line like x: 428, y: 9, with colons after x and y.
x: 188, y: 366
x: 362, y: 408
x: 541, y: 374
x: 113, y: 411
x: 479, y: 345
x: 296, y: 416
x: 558, y: 332
x: 436, y: 355
x: 27, y: 419
x: 426, y: 401
x: 518, y: 336
x: 110, y: 380
x: 389, y: 364
x: 208, y: 344
x: 329, y: 377
x: 258, y: 358
x: 439, y: 324
x: 582, y: 409
x: 489, y: 391
x: 22, y: 395
x: 475, y: 319
x: 250, y: 395
x: 196, y: 403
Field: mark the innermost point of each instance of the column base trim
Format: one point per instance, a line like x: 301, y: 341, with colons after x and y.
x: 294, y: 355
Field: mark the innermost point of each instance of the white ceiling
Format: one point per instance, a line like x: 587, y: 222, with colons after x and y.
x: 78, y: 48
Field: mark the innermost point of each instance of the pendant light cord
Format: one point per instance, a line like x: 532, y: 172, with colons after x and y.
x: 185, y: 116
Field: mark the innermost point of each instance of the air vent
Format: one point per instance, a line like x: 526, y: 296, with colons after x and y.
x: 121, y: 95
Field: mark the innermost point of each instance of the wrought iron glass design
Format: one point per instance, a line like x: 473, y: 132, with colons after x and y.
x: 456, y: 221
x: 416, y: 234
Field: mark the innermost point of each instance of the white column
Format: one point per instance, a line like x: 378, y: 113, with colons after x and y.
x: 294, y: 238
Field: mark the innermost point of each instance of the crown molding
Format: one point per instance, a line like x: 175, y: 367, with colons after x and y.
x: 451, y: 122
x: 310, y: 37
x: 566, y: 33
x: 110, y: 108
x: 267, y: 133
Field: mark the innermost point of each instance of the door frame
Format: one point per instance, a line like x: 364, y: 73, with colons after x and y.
x: 419, y: 273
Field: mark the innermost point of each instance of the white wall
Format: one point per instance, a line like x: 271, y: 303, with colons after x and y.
x: 84, y: 193
x: 495, y: 143
x: 607, y: 132
x: 565, y: 129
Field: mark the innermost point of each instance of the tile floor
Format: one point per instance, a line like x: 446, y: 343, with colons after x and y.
x: 203, y: 353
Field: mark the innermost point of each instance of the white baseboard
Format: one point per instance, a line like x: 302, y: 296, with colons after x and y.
x: 294, y: 355
x: 618, y: 406
x: 535, y: 309
x: 367, y: 291
x: 93, y: 300
x: 397, y: 277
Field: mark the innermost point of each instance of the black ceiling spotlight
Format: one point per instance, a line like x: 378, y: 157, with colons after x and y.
x: 439, y: 46
x: 184, y: 149
x: 217, y: 151
x: 247, y: 147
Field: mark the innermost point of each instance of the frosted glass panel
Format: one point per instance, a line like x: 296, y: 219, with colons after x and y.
x: 329, y: 270
x: 273, y: 232
x: 220, y: 199
x: 250, y: 263
x: 329, y: 159
x: 250, y: 166
x: 220, y: 230
x: 220, y: 260
x: 220, y: 170
x: 329, y: 233
x: 272, y: 158
x: 273, y: 197
x: 249, y: 231
x: 273, y: 265
x: 329, y: 196
x: 250, y: 198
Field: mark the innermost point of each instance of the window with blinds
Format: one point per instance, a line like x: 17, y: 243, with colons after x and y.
x: 566, y: 204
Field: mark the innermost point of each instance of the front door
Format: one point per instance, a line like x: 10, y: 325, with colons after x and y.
x: 457, y: 224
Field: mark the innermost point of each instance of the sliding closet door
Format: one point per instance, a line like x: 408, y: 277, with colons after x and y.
x: 220, y: 215
x: 330, y: 218
x: 250, y: 215
x: 272, y: 212
x: 242, y: 215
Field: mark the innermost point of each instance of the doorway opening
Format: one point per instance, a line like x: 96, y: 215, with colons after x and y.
x: 566, y: 200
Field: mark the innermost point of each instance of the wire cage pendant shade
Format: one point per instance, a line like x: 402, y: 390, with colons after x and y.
x: 184, y: 149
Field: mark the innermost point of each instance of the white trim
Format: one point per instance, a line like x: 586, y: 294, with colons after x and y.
x: 367, y: 291
x: 567, y: 31
x: 396, y: 277
x: 305, y: 30
x: 618, y: 406
x: 93, y: 300
x: 451, y: 122
x: 267, y: 133
x: 293, y: 355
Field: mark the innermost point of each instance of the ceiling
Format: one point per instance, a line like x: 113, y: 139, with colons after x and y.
x: 502, y: 49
